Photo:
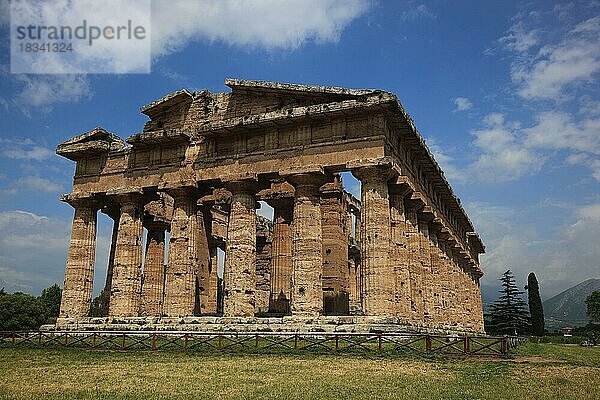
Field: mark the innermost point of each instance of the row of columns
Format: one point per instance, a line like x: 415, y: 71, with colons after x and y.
x: 408, y: 266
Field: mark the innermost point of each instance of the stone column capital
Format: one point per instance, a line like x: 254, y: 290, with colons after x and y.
x: 156, y: 224
x: 313, y: 180
x: 82, y: 202
x: 377, y: 173
x: 132, y: 198
x: 248, y: 186
x: 414, y: 202
x: 183, y: 192
x: 400, y: 189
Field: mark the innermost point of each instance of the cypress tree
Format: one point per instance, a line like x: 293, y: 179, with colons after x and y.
x: 536, y: 309
x: 508, y: 314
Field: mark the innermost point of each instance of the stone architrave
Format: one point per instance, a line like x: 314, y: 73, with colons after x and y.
x: 377, y: 273
x: 79, y: 274
x: 239, y: 276
x: 180, y: 284
x: 127, y: 271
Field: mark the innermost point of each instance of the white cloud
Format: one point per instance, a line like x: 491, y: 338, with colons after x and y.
x: 519, y: 39
x: 558, y: 130
x: 268, y: 24
x: 32, y: 183
x: 33, y: 250
x: 44, y: 91
x: 37, y: 153
x: 590, y: 212
x: 554, y: 68
x: 563, y: 257
x: 462, y: 104
x: 418, y: 12
x: 502, y: 157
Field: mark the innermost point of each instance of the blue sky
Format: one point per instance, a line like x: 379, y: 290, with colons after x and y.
x: 505, y: 94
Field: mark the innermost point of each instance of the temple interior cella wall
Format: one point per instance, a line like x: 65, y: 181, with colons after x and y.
x: 403, y: 255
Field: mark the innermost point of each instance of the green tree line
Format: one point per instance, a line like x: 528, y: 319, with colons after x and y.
x: 22, y: 312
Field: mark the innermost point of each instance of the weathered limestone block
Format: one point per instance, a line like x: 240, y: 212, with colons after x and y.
x: 240, y: 271
x: 79, y: 274
x: 307, y: 246
x: 204, y: 223
x: 399, y: 254
x: 335, y: 253
x: 413, y: 245
x: 180, y: 284
x: 377, y: 272
x: 281, y: 257
x: 127, y: 272
x: 154, y: 270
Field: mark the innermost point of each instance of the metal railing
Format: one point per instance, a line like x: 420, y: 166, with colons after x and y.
x: 265, y: 342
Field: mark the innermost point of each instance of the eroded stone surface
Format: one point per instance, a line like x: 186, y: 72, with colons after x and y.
x: 407, y: 250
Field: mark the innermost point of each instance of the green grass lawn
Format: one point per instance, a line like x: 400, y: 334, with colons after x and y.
x: 533, y: 371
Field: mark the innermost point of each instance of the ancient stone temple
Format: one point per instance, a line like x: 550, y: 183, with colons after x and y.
x: 404, y: 256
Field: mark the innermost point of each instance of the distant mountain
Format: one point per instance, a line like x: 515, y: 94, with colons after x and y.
x: 568, y: 307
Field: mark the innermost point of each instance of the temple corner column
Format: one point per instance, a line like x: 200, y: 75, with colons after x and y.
x: 79, y: 272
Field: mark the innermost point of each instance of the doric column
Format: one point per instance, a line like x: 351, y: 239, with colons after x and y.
x: 446, y: 281
x: 79, y: 273
x: 240, y: 270
x: 335, y: 251
x: 456, y: 285
x: 376, y: 270
x: 466, y: 296
x: 307, y: 246
x: 354, y: 285
x: 425, y: 259
x: 180, y: 285
x: 281, y: 256
x: 127, y: 272
x: 479, y: 302
x: 204, y: 222
x: 437, y: 275
x: 413, y: 245
x: 154, y: 270
x: 399, y: 253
